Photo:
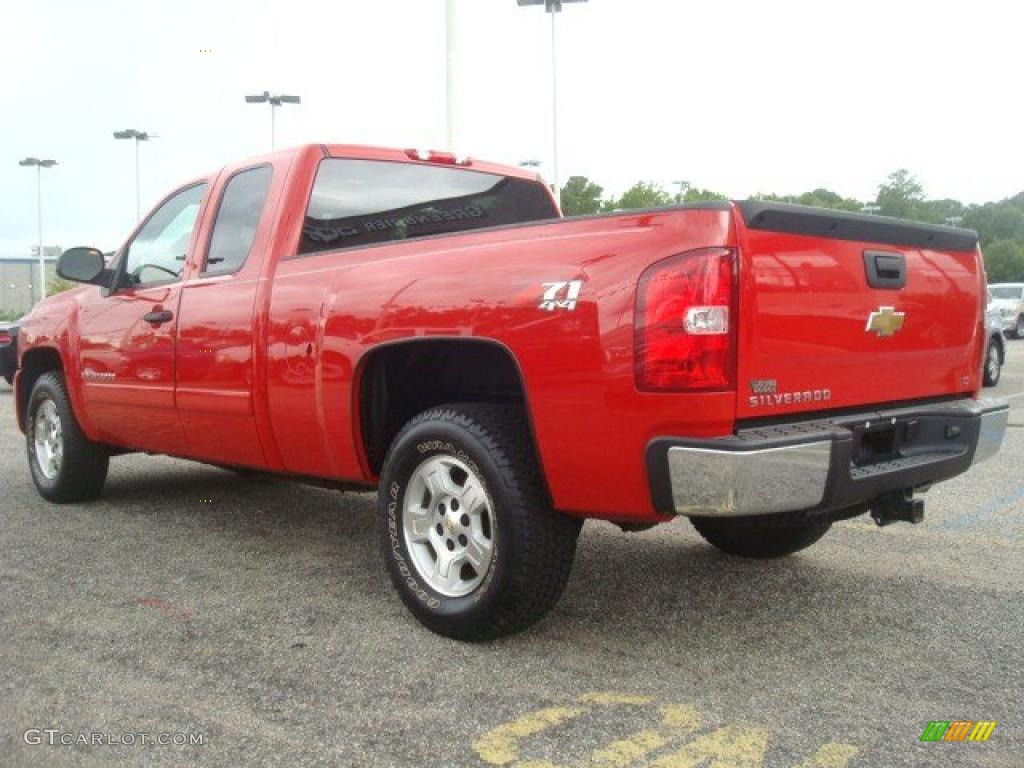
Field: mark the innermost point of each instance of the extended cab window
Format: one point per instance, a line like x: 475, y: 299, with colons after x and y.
x: 158, y: 252
x: 364, y: 202
x: 241, y: 208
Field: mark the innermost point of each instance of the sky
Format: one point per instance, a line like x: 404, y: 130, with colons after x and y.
x: 741, y: 97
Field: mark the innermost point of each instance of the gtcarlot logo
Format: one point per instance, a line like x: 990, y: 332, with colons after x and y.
x: 56, y: 737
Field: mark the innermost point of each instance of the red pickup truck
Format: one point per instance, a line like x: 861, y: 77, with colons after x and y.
x: 428, y: 325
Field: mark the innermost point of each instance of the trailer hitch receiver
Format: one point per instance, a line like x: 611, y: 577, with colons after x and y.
x: 897, y: 506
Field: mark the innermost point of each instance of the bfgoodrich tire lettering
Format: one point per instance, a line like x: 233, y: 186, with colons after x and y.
x: 531, y: 545
x: 81, y: 470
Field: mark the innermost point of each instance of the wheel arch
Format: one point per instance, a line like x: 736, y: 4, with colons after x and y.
x: 34, y: 363
x: 396, y: 380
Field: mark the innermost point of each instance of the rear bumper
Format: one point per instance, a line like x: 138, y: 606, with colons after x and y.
x: 825, y: 464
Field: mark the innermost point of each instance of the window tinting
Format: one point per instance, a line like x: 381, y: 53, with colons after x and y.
x: 158, y: 252
x: 363, y: 202
x: 241, y: 208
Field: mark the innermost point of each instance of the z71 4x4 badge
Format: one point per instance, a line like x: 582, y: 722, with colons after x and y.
x: 561, y: 295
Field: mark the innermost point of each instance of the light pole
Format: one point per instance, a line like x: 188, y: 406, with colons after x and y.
x: 683, y: 186
x: 275, y: 101
x: 39, y: 165
x: 451, y: 55
x: 553, y: 7
x: 139, y: 136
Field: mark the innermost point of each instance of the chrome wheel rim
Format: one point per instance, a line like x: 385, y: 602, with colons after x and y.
x: 449, y: 525
x: 993, y: 363
x: 48, y: 439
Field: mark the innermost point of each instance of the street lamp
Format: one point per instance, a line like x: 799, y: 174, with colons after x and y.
x: 450, y: 64
x: 553, y: 7
x: 39, y: 165
x: 275, y: 101
x: 139, y: 136
x: 529, y: 163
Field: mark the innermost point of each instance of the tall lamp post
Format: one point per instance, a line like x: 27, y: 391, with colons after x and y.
x: 139, y: 136
x: 39, y: 165
x: 275, y: 101
x: 683, y: 186
x: 553, y: 7
x: 450, y: 64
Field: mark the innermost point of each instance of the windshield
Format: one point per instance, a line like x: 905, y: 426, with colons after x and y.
x: 1006, y: 291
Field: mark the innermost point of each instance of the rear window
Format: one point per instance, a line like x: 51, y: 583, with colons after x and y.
x: 365, y: 202
x: 1006, y: 291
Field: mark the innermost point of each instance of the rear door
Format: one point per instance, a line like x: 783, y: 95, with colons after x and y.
x: 217, y: 327
x: 840, y: 310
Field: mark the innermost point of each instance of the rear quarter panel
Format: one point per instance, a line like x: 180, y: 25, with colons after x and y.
x: 328, y: 310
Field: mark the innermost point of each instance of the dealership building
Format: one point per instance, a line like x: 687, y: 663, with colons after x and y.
x: 19, y: 282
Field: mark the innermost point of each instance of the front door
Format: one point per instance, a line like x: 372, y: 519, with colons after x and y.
x: 127, y: 338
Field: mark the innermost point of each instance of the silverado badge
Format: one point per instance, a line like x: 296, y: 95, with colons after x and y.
x: 885, y: 321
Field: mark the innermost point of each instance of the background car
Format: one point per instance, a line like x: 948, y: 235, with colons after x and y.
x: 1008, y: 300
x: 8, y: 350
x: 995, y: 349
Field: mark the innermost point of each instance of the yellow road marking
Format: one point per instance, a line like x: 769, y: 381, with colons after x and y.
x: 611, y: 699
x: 831, y: 755
x: 501, y: 746
x: 734, y: 746
x: 731, y: 746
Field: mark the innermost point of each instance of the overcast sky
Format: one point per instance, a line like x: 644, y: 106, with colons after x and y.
x: 739, y: 96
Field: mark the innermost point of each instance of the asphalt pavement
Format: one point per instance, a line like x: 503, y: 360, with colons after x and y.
x: 254, y: 616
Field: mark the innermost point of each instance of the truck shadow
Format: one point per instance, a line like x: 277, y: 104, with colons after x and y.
x: 661, y: 589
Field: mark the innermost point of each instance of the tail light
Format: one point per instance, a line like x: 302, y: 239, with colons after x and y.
x: 685, y: 322
x: 5, y: 337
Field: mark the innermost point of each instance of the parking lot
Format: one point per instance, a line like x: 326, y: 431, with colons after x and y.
x: 256, y: 614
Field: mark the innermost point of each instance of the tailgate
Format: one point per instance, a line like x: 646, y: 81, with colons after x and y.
x: 843, y: 310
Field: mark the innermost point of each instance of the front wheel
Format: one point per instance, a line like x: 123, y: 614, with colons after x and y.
x: 993, y: 364
x: 468, y: 534
x: 66, y: 466
x: 758, y: 537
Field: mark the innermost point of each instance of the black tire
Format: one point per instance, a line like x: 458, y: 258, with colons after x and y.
x: 9, y: 378
x: 83, y: 465
x: 758, y: 537
x: 1018, y: 329
x: 533, y: 546
x: 993, y: 364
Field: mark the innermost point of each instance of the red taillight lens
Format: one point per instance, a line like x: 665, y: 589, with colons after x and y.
x: 685, y: 318
x: 5, y: 337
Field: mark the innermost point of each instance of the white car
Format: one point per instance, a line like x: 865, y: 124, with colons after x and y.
x: 1008, y: 300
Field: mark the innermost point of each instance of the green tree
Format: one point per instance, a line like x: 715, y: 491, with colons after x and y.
x: 1004, y: 262
x: 900, y: 195
x: 643, y: 194
x: 695, y: 195
x: 581, y: 197
x: 57, y: 284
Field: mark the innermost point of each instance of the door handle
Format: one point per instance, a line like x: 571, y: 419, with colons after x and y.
x: 161, y: 316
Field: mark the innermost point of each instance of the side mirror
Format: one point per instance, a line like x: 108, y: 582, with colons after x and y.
x: 83, y: 265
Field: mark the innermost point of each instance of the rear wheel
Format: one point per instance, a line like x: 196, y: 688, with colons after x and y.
x: 9, y: 378
x: 758, y: 537
x: 469, y: 536
x: 993, y: 364
x: 66, y: 466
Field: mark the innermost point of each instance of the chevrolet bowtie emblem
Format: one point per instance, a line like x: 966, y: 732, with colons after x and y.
x: 885, y: 321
